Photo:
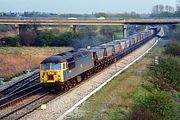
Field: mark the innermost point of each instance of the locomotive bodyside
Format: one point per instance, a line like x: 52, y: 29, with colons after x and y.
x: 83, y: 62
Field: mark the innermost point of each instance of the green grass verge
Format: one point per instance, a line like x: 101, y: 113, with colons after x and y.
x: 115, y: 100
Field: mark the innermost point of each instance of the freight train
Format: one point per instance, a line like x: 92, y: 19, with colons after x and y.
x: 64, y: 70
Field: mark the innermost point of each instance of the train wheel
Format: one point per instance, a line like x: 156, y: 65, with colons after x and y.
x: 73, y: 82
x: 65, y: 86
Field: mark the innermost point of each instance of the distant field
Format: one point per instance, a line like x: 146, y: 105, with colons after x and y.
x: 8, y: 34
x: 15, y: 60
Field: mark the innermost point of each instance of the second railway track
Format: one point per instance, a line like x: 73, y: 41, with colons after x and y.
x: 19, y: 85
x: 26, y: 98
x: 23, y: 90
x: 16, y: 112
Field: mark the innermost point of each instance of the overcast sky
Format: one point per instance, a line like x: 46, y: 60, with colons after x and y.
x: 82, y: 6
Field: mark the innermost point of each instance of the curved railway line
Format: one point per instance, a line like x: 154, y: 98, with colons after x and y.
x: 65, y: 103
x: 25, y: 96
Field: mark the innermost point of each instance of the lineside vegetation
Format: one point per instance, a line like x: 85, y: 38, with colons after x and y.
x: 160, y: 97
x: 145, y: 91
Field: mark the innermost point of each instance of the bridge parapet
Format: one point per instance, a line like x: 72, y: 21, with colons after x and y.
x: 91, y: 21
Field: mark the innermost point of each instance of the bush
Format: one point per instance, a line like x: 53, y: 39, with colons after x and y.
x: 165, y: 75
x: 9, y: 41
x: 119, y: 114
x: 54, y: 38
x: 176, y: 33
x: 143, y: 115
x: 155, y: 105
x: 44, y: 38
x: 173, y: 48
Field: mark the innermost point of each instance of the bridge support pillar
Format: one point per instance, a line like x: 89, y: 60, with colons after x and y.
x: 174, y: 27
x: 73, y: 27
x: 22, y: 28
x: 124, y: 31
x: 17, y: 29
x: 25, y: 27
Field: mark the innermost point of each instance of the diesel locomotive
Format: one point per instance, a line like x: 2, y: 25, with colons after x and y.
x: 64, y: 70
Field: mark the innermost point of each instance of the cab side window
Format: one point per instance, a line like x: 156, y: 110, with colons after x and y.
x: 64, y: 65
x: 71, y: 65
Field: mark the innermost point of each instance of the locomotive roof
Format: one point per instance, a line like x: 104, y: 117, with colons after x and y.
x: 53, y: 59
x: 66, y: 56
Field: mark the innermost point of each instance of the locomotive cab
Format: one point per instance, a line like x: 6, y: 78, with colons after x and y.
x: 52, y: 72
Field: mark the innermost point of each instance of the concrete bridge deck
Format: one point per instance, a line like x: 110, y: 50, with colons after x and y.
x: 91, y: 21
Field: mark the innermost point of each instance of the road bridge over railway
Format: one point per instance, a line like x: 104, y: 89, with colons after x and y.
x: 21, y: 24
x: 91, y: 21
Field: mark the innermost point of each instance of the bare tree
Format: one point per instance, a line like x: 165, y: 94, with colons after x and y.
x: 169, y: 8
x: 177, y: 5
x: 157, y: 9
x: 27, y: 38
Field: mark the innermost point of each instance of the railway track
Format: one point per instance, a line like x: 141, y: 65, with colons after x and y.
x: 19, y: 85
x: 18, y: 92
x: 19, y: 95
x: 29, y: 106
x: 24, y: 97
x: 35, y: 96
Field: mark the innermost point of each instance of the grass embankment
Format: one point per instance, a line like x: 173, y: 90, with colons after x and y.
x: 117, y: 98
x: 15, y: 60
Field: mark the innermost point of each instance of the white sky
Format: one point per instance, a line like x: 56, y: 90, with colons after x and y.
x: 82, y: 6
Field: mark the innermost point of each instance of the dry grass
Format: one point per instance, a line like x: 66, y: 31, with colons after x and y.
x: 17, y: 59
x: 8, y: 34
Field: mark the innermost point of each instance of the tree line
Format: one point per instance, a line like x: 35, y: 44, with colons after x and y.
x: 164, y: 11
x: 39, y: 38
x: 83, y: 37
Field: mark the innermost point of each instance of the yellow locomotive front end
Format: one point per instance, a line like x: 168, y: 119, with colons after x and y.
x: 52, y: 73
